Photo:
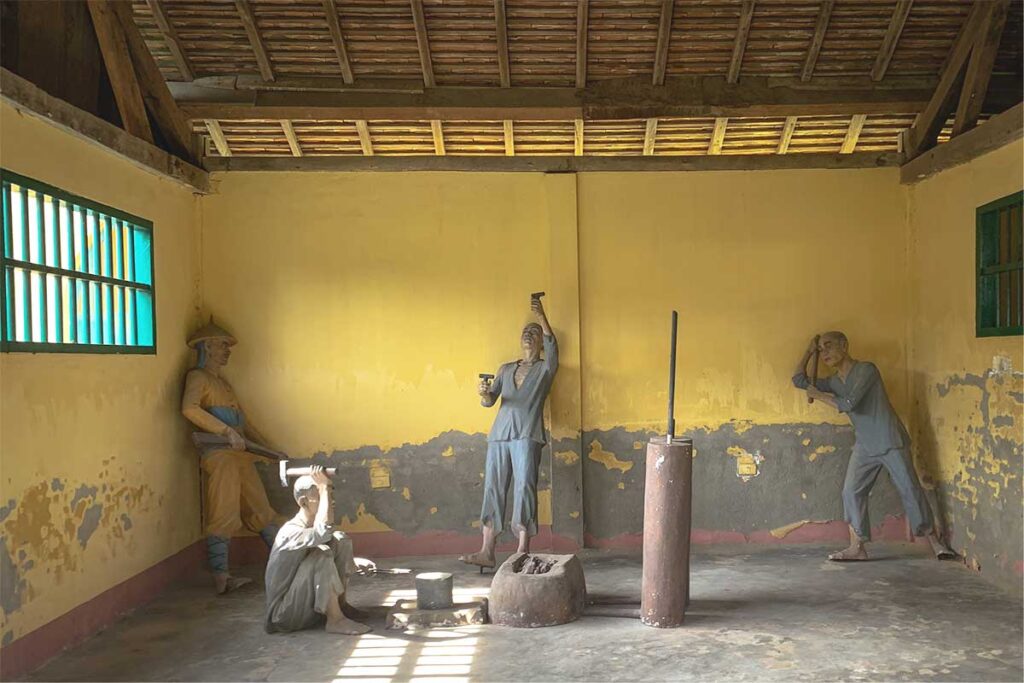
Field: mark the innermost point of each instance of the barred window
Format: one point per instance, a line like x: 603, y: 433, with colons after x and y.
x: 1000, y: 254
x: 77, y: 275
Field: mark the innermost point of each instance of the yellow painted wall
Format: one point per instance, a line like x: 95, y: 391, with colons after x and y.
x: 103, y: 426
x: 952, y: 368
x: 755, y: 263
x: 366, y: 304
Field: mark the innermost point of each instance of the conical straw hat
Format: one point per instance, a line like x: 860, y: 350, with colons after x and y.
x: 210, y: 331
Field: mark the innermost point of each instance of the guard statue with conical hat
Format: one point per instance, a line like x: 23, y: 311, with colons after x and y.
x: 234, y: 496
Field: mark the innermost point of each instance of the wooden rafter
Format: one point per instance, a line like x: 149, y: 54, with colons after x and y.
x: 30, y: 100
x: 787, y: 134
x: 155, y: 93
x: 293, y: 140
x: 853, y: 134
x: 363, y: 128
x: 664, y: 37
x: 171, y: 39
x: 979, y: 69
x: 707, y: 96
x: 820, y: 28
x: 718, y: 135
x: 510, y: 138
x: 338, y: 39
x: 217, y: 135
x: 999, y: 131
x: 437, y: 130
x: 650, y: 134
x: 501, y: 31
x: 740, y: 45
x: 892, y: 37
x: 577, y: 137
x: 419, y: 23
x: 255, y: 39
x: 123, y: 80
x: 582, y: 32
x: 930, y: 121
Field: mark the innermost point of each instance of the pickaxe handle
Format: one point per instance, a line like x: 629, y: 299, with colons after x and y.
x: 814, y: 366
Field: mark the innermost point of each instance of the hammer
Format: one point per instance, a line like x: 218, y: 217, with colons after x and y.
x: 285, y: 471
x: 537, y: 295
x: 486, y: 377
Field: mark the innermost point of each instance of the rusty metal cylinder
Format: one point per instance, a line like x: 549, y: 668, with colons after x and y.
x: 668, y: 492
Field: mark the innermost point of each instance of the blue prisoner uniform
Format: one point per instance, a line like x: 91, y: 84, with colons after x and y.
x: 880, y: 440
x: 515, y: 441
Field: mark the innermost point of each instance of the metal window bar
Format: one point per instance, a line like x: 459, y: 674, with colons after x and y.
x: 68, y: 273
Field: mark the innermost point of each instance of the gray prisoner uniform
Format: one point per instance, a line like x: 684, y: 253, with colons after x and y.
x: 881, y: 440
x: 515, y: 442
x: 308, y: 566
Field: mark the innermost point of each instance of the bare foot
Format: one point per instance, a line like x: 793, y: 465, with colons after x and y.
x: 941, y: 550
x: 854, y: 553
x: 354, y: 612
x: 346, y: 627
x: 225, y: 583
x: 479, y: 559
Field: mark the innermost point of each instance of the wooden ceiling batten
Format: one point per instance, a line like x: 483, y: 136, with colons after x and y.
x: 892, y: 36
x: 740, y: 44
x: 338, y: 40
x: 814, y: 49
x: 180, y: 57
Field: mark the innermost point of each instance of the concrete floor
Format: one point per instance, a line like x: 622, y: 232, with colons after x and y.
x: 757, y: 613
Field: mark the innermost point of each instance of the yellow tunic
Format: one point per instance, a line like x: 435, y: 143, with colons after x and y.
x: 234, y: 494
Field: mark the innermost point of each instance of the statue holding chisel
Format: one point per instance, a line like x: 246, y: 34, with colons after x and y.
x: 234, y: 496
x: 517, y: 436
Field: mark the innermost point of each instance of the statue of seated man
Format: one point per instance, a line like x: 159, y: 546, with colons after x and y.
x: 516, y: 437
x: 234, y: 496
x: 880, y: 440
x: 307, y: 574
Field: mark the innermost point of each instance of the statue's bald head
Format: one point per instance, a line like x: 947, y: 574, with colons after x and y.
x: 304, y: 487
x: 836, y: 337
x: 834, y: 348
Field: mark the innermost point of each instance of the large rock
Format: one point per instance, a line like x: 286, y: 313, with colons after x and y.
x: 536, y: 589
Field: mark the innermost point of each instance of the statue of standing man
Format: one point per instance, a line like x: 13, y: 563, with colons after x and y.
x: 516, y: 438
x: 234, y: 497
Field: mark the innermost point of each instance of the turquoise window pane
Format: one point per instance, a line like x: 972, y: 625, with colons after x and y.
x: 144, y: 318
x: 141, y: 246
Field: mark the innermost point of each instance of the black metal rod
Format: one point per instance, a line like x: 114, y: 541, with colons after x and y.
x: 672, y: 379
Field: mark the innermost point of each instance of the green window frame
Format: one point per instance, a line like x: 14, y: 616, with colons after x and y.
x: 1000, y: 258
x: 76, y: 276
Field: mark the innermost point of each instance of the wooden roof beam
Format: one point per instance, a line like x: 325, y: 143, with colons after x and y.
x: 820, y: 28
x: 117, y: 58
x: 510, y: 138
x: 664, y: 37
x: 155, y: 92
x: 979, y: 69
x: 853, y: 134
x: 419, y: 22
x: 558, y: 164
x: 255, y: 39
x: 501, y: 31
x: 932, y: 118
x: 650, y: 134
x: 171, y: 39
x: 633, y: 98
x: 338, y: 39
x: 437, y: 130
x: 718, y: 135
x: 892, y: 37
x: 740, y: 45
x: 787, y: 134
x: 582, y: 23
x: 293, y: 140
x: 363, y: 128
x: 217, y: 135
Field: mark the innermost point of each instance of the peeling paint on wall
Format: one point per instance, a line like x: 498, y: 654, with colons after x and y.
x: 971, y: 439
x: 53, y: 527
x: 609, y: 460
